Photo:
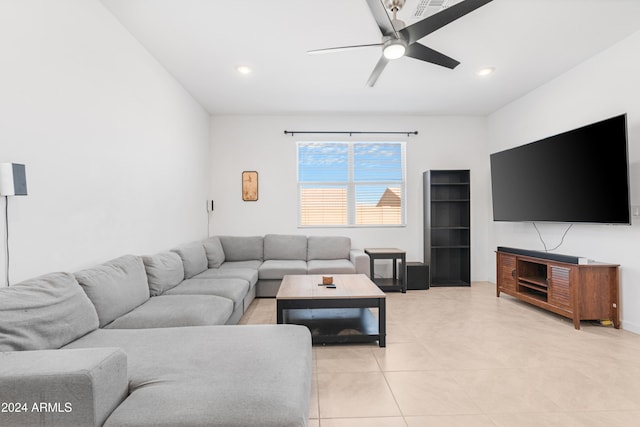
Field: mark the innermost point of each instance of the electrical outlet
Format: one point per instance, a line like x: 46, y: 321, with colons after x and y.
x: 635, y: 210
x: 210, y: 205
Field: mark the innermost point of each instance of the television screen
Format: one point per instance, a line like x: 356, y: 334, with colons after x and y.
x: 578, y: 176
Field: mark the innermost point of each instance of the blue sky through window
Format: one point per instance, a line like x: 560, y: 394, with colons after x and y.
x: 377, y: 162
x: 329, y: 162
x: 322, y: 162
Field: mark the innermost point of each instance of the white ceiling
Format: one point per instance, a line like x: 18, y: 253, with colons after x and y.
x: 529, y: 42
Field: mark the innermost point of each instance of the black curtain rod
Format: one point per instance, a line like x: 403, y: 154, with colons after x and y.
x: 293, y: 132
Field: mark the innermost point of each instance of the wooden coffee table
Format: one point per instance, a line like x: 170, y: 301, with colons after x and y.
x: 340, y: 315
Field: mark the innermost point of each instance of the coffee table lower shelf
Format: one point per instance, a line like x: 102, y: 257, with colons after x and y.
x: 336, y: 325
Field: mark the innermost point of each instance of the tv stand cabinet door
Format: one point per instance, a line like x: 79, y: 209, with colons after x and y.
x: 560, y: 286
x: 506, y: 275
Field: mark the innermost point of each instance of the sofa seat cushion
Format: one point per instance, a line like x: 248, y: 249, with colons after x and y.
x: 330, y: 266
x: 285, y: 247
x: 248, y: 274
x: 233, y: 289
x: 194, y: 258
x: 232, y: 265
x: 44, y: 313
x: 164, y: 271
x: 242, y: 248
x: 328, y: 247
x: 256, y: 375
x: 115, y: 287
x: 167, y: 311
x: 277, y: 269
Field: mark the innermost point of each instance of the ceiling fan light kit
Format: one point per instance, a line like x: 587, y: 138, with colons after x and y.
x: 399, y: 40
x: 394, y: 48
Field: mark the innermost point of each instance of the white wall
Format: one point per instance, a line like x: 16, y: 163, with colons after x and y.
x: 116, y: 151
x: 258, y: 143
x: 604, y: 86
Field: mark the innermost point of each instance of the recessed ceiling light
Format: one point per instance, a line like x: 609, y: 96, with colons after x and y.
x: 243, y: 69
x: 485, y: 71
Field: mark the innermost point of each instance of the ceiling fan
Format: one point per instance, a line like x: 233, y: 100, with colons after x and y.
x: 398, y: 40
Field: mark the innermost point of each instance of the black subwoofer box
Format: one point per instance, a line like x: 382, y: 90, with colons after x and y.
x: 417, y: 276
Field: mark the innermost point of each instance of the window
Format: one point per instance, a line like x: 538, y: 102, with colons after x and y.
x: 351, y: 183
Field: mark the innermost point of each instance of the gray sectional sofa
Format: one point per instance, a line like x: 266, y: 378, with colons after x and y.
x: 276, y: 255
x: 64, y: 362
x: 147, y: 341
x: 239, y: 268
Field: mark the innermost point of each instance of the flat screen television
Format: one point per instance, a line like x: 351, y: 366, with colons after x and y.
x: 577, y: 176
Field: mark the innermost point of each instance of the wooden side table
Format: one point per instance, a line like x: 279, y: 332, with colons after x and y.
x: 399, y: 280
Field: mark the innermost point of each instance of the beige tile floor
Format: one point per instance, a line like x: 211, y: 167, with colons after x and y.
x: 462, y: 357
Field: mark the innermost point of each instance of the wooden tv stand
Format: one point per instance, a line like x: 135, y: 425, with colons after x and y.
x: 577, y: 291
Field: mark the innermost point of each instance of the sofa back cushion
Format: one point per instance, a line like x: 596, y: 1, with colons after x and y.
x: 285, y: 247
x: 115, y: 287
x: 328, y: 247
x: 242, y: 248
x: 194, y: 258
x: 164, y: 271
x: 214, y: 251
x: 47, y: 312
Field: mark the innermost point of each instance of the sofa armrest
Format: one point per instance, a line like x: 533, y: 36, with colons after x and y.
x: 361, y: 261
x: 61, y: 387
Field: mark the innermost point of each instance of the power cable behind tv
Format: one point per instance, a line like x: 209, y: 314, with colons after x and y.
x: 561, y: 240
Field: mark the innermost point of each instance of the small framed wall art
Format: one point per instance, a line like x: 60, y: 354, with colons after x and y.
x: 249, y: 186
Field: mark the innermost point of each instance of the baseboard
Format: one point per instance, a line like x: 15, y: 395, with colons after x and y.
x: 630, y: 327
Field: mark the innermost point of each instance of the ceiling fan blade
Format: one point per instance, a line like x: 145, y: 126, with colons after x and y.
x: 340, y: 49
x: 416, y: 31
x: 423, y: 53
x: 379, y: 13
x: 377, y: 71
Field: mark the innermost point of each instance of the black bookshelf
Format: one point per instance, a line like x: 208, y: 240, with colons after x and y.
x: 447, y: 226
